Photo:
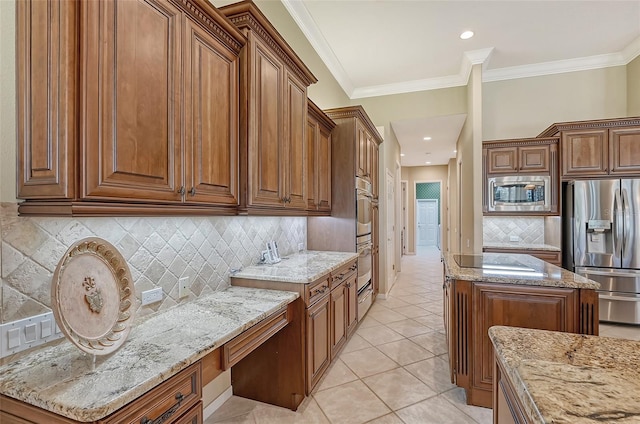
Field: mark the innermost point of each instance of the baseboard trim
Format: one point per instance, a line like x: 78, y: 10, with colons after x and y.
x: 217, y: 403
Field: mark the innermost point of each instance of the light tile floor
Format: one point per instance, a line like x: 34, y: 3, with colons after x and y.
x: 394, y: 369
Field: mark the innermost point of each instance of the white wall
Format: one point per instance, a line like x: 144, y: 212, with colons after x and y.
x: 633, y: 87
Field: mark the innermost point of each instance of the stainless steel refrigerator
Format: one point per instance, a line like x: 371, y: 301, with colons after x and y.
x: 602, y: 242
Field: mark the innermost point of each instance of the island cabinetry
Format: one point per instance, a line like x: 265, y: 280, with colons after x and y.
x: 273, y: 118
x: 116, y: 125
x: 472, y: 307
x: 598, y: 148
x: 318, y: 151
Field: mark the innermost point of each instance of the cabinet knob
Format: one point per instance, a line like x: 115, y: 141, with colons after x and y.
x: 192, y: 192
x: 181, y: 191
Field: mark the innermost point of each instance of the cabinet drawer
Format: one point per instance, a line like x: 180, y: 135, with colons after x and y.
x: 193, y: 416
x: 169, y: 400
x: 316, y: 291
x: 239, y: 347
x: 342, y: 274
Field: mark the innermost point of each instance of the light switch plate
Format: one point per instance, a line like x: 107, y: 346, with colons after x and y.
x: 28, y: 332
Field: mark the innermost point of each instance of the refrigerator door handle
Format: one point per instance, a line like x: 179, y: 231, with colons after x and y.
x: 617, y: 224
x: 626, y: 299
x: 617, y: 272
x: 627, y: 220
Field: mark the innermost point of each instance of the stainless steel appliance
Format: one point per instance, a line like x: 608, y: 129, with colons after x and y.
x: 602, y: 242
x: 364, y: 207
x: 365, y: 261
x: 519, y: 193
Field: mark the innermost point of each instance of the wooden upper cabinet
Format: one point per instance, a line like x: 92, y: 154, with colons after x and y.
x: 47, y: 75
x: 375, y: 151
x: 523, y: 159
x: 131, y: 122
x: 318, y: 152
x: 157, y: 110
x: 599, y: 148
x: 211, y: 111
x: 362, y: 152
x: 624, y: 151
x: 585, y: 153
x: 273, y: 119
x: 295, y: 107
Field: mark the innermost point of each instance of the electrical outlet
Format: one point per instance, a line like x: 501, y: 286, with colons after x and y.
x: 300, y: 247
x: 183, y: 290
x: 151, y: 296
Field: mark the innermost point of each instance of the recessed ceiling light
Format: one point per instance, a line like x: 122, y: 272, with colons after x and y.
x: 401, y: 154
x: 455, y: 151
x: 427, y: 138
x: 466, y: 35
x: 427, y: 163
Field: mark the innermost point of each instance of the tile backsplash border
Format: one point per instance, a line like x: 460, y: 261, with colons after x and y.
x: 158, y: 250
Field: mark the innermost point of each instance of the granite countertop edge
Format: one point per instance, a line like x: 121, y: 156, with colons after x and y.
x: 293, y: 269
x: 190, y: 327
x: 568, y: 377
x: 554, y: 276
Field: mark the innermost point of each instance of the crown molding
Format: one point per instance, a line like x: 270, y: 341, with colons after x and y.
x: 307, y: 25
x: 303, y: 19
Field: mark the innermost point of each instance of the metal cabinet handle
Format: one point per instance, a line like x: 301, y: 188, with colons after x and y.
x: 167, y: 414
x: 181, y: 191
x: 192, y: 192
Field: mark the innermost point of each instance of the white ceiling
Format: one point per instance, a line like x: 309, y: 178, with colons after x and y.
x: 378, y: 47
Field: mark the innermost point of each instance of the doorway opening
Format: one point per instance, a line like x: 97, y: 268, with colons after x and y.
x: 428, y: 215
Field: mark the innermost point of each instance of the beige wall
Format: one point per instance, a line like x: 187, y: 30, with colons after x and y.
x: 633, y: 87
x: 451, y: 230
x: 424, y: 174
x: 525, y: 107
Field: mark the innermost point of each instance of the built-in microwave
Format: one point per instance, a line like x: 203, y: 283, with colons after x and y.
x: 519, y: 193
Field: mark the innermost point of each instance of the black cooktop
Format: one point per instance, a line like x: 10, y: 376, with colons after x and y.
x: 469, y: 261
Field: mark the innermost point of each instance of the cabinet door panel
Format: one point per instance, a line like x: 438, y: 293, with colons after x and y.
x: 318, y: 342
x: 339, y: 311
x: 324, y: 169
x: 534, y: 159
x: 131, y: 132
x: 293, y: 151
x: 584, y: 153
x: 361, y: 151
x: 530, y: 307
x: 352, y: 304
x: 311, y: 171
x: 267, y: 131
x: 625, y: 151
x: 46, y: 103
x: 211, y: 111
x: 503, y: 160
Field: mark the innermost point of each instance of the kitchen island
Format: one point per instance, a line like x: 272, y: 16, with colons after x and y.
x: 517, y: 290
x: 61, y: 384
x: 553, y: 377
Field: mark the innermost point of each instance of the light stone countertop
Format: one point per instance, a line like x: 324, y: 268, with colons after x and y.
x: 570, y: 378
x: 523, y: 246
x: 502, y: 268
x: 63, y: 380
x: 303, y: 268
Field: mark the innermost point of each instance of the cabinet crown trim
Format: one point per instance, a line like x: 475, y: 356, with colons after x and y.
x: 246, y: 15
x: 317, y: 113
x: 355, y: 112
x: 593, y: 124
x: 216, y: 22
x: 520, y: 142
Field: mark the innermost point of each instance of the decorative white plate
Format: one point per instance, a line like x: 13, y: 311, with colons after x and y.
x: 92, y: 296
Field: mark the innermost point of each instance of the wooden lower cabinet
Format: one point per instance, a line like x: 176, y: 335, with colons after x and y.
x: 473, y: 307
x: 175, y: 399
x: 339, y: 310
x: 318, y: 341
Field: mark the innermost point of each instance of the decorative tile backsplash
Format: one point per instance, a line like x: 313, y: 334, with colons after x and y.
x: 158, y: 251
x: 530, y: 230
